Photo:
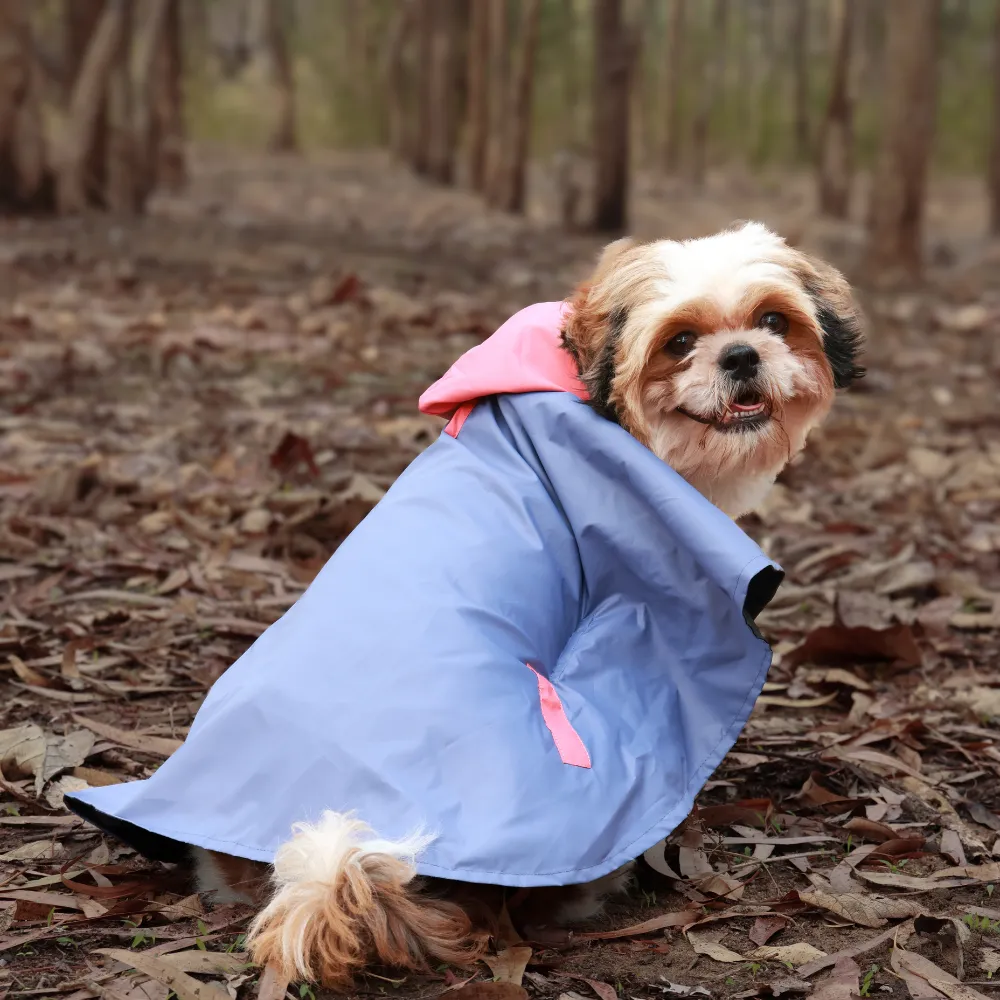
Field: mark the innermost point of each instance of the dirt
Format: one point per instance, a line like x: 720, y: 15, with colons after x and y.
x: 199, y: 405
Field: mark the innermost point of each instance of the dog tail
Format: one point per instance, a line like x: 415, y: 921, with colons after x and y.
x: 343, y: 899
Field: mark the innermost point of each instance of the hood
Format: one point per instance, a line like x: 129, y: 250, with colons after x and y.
x: 524, y: 355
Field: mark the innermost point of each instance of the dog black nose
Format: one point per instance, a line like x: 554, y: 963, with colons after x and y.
x: 740, y: 361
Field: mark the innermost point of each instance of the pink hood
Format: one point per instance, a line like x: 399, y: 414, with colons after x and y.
x: 524, y: 355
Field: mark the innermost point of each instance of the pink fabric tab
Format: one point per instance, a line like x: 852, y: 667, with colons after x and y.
x: 566, y: 738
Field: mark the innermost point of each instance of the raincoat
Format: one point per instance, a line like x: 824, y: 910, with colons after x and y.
x: 537, y: 647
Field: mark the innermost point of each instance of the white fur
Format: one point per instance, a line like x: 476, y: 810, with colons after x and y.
x: 314, y: 860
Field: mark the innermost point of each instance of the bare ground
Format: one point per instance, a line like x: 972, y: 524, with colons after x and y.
x: 197, y: 407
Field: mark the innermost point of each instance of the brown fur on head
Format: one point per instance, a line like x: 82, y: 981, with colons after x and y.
x: 719, y: 354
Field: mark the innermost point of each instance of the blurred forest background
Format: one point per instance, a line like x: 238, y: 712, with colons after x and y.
x: 98, y: 97
x: 238, y: 238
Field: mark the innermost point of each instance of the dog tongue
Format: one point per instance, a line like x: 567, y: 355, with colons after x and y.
x: 743, y: 407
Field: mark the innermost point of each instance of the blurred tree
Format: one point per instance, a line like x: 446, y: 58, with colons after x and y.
x: 26, y: 181
x: 800, y: 78
x: 478, y: 104
x: 516, y: 126
x: 674, y: 58
x: 499, y: 76
x: 994, y: 168
x: 81, y: 18
x: 169, y: 141
x: 270, y: 33
x: 896, y: 210
x: 400, y: 119
x: 836, y: 142
x: 712, y: 69
x: 614, y: 57
x: 447, y: 22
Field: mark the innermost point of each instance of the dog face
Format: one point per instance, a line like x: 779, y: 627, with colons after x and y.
x: 719, y: 354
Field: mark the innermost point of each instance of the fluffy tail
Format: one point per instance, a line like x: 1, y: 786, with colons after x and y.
x: 344, y: 899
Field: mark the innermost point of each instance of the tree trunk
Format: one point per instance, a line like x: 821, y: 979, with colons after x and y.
x: 123, y: 191
x: 145, y: 134
x: 713, y: 67
x: 895, y: 224
x: 170, y: 168
x: 478, y: 117
x: 420, y: 153
x: 518, y: 125
x: 837, y: 136
x: 81, y: 18
x: 675, y: 76
x: 994, y: 179
x: 800, y: 84
x: 614, y: 52
x: 499, y: 83
x: 25, y: 180
x: 86, y: 107
x: 284, y: 137
x: 443, y: 106
x: 400, y: 117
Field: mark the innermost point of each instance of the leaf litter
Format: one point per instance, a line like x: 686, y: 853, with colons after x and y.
x: 193, y: 423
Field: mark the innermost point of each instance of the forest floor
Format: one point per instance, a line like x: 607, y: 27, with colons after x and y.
x: 195, y: 409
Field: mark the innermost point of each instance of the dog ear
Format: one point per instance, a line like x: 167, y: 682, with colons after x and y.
x: 839, y: 316
x: 592, y: 329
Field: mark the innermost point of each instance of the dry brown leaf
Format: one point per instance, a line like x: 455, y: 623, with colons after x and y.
x: 491, y: 991
x: 707, y: 943
x: 924, y: 979
x: 604, y: 990
x: 508, y: 965
x: 272, y: 985
x: 159, y: 968
x: 678, y: 918
x: 863, y: 909
x: 900, y: 881
x: 765, y: 927
x: 871, y: 830
x: 836, y: 644
x: 789, y: 954
x: 989, y: 961
x: 899, y: 933
x: 951, y: 847
x: 206, y: 962
x: 989, y: 872
x: 34, y: 851
x: 841, y: 984
x: 160, y: 745
x: 655, y: 859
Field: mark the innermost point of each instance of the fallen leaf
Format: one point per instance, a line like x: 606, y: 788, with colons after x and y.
x: 206, y: 962
x: 159, y: 745
x: 604, y: 990
x: 655, y: 859
x: 707, y: 943
x: 897, y: 933
x: 989, y: 961
x: 989, y: 872
x: 678, y: 918
x: 870, y: 830
x: 899, y: 881
x: 508, y: 965
x: 680, y: 990
x: 863, y: 909
x: 842, y: 984
x: 272, y: 985
x: 491, y: 991
x: 836, y: 644
x: 764, y: 928
x: 951, y: 846
x: 924, y: 979
x: 790, y: 954
x: 160, y: 969
x: 34, y: 851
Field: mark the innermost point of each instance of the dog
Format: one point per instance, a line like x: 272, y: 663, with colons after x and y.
x: 719, y: 355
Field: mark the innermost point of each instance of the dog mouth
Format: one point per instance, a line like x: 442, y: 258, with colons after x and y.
x: 748, y: 411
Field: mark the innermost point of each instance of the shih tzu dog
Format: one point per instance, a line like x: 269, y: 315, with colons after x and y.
x: 720, y: 355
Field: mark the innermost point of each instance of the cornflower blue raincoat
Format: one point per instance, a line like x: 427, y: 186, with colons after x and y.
x: 538, y: 646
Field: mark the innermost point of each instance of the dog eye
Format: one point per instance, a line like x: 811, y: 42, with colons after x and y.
x: 682, y: 343
x: 777, y: 323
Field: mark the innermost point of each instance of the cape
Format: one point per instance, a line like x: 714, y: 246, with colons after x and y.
x: 537, y: 647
